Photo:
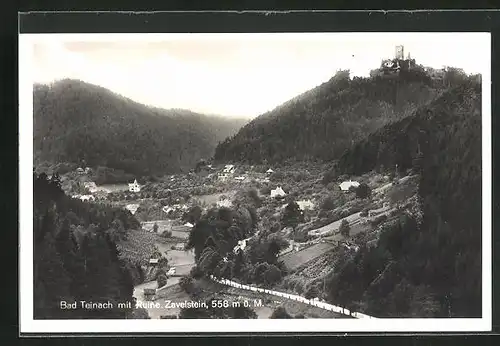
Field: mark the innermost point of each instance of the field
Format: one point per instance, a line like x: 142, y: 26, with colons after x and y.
x: 163, y: 225
x: 404, y: 190
x: 296, y: 259
x: 182, y: 260
x: 354, y: 230
x: 138, y: 247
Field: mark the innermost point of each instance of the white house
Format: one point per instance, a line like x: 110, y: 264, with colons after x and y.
x: 229, y: 169
x: 223, y: 176
x: 179, y: 246
x: 278, y: 192
x: 171, y: 271
x: 306, y: 204
x: 86, y: 198
x: 269, y: 171
x: 189, y: 224
x: 91, y: 186
x: 134, y: 187
x: 346, y: 185
x: 153, y: 261
x: 241, y: 245
x: 132, y: 208
x: 239, y: 178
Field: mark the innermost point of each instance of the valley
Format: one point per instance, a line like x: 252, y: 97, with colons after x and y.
x: 361, y: 195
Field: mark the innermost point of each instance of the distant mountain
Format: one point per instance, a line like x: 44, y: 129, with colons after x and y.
x: 77, y: 122
x: 325, y: 121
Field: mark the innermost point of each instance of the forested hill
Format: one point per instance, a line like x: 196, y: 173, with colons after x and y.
x: 76, y: 257
x: 433, y: 268
x: 78, y: 122
x: 325, y: 121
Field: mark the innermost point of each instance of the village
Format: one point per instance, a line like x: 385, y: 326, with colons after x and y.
x: 325, y: 207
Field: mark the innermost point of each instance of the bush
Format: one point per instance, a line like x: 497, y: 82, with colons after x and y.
x: 345, y: 228
x: 378, y: 220
x: 328, y: 203
x: 364, y: 213
x: 280, y: 313
x: 329, y: 177
x: 266, y: 190
x: 161, y: 280
x: 363, y: 191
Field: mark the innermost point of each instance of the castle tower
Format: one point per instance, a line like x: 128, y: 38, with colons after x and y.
x: 400, y: 52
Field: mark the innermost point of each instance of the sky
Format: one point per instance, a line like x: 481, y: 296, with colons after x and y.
x: 236, y: 75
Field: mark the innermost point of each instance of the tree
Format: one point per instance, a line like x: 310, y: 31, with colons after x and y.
x: 272, y: 275
x: 275, y: 227
x: 329, y: 176
x: 292, y: 215
x: 193, y: 215
x: 155, y: 228
x: 328, y: 203
x: 345, y: 228
x: 363, y: 191
x: 161, y: 280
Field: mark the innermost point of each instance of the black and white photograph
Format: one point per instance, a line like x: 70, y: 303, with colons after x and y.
x: 305, y: 182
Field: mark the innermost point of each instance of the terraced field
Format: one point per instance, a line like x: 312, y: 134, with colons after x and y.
x: 294, y: 260
x: 138, y: 247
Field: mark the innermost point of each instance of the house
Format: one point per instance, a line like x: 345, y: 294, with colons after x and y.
x: 306, y: 205
x: 174, y: 208
x: 80, y: 170
x: 230, y: 169
x: 223, y: 176
x: 153, y: 261
x: 346, y: 185
x: 179, y: 246
x: 278, y: 192
x: 87, y: 170
x: 87, y: 198
x: 171, y: 271
x: 239, y: 178
x: 188, y: 224
x: 269, y: 171
x: 134, y: 187
x: 224, y: 203
x: 241, y: 245
x: 91, y: 186
x: 132, y: 208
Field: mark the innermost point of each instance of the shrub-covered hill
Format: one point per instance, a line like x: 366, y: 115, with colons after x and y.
x: 78, y: 122
x: 325, y: 121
